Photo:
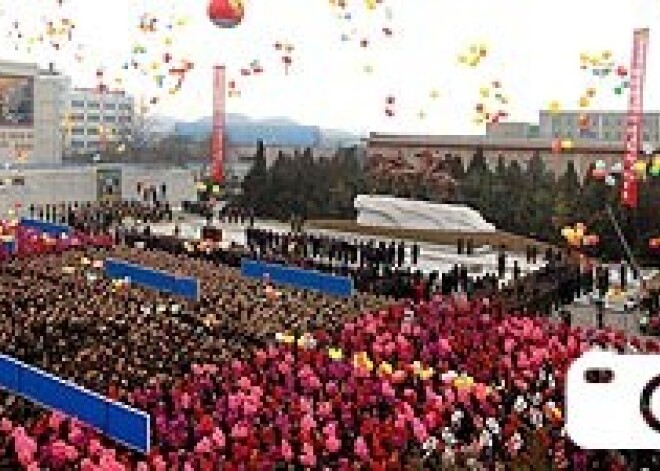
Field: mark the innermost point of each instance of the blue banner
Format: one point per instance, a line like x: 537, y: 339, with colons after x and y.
x: 119, y: 422
x: 52, y: 229
x: 299, y: 278
x: 150, y: 278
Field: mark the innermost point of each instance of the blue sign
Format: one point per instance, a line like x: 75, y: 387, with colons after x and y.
x: 299, y: 278
x: 122, y: 423
x: 183, y: 286
x: 52, y: 229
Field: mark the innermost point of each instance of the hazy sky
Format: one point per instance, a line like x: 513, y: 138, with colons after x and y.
x: 534, y: 49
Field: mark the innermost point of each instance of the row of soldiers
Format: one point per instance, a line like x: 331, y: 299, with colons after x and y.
x: 350, y: 252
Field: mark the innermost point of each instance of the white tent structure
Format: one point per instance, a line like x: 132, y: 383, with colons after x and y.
x: 388, y: 211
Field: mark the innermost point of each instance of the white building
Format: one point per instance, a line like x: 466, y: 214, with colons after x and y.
x: 32, y: 105
x: 98, y: 121
x: 21, y: 187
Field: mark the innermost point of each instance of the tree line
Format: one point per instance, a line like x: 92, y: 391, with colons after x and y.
x: 528, y: 200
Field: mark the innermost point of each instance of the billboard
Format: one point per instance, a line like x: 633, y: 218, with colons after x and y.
x: 16, y: 100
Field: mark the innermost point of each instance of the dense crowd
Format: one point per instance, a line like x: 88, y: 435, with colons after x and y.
x: 256, y: 376
x: 100, y: 216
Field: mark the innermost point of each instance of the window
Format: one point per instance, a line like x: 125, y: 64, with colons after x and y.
x: 109, y: 119
x: 125, y: 119
x: 646, y: 136
x: 92, y: 131
x: 94, y: 106
x: 93, y: 118
x: 18, y: 181
x: 77, y: 131
x: 77, y: 104
x: 110, y: 106
x: 606, y: 135
x: 77, y: 116
x: 77, y: 144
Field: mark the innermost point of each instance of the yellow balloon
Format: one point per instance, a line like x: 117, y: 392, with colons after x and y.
x: 554, y: 106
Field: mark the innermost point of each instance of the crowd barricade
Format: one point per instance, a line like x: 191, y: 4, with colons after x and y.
x: 52, y: 229
x: 179, y: 285
x: 8, y: 244
x: 128, y: 426
x: 306, y: 279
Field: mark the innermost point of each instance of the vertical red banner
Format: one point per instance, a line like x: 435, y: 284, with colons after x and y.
x: 634, y: 121
x: 217, y: 138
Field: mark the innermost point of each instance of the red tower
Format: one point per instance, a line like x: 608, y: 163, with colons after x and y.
x: 635, y: 120
x: 217, y: 138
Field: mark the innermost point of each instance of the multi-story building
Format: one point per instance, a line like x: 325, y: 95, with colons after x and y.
x: 32, y: 105
x: 598, y: 125
x: 97, y: 120
x: 608, y: 126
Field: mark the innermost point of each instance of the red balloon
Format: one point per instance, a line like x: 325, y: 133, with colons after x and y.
x: 226, y: 13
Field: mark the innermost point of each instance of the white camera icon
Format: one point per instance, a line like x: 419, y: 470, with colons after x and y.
x: 613, y: 401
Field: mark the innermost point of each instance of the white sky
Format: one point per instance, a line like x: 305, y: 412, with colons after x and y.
x: 534, y: 48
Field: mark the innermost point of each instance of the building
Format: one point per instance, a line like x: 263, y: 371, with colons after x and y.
x: 600, y: 125
x: 48, y: 184
x: 512, y: 130
x: 97, y: 121
x: 609, y: 126
x: 32, y: 106
x: 411, y: 147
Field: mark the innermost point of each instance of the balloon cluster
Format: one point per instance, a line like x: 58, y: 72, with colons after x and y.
x: 493, y: 111
x: 654, y: 168
x: 602, y: 172
x: 559, y: 145
x: 601, y: 65
x: 474, y: 55
x: 153, y: 55
x: 390, y: 101
x: 286, y: 50
x: 577, y: 236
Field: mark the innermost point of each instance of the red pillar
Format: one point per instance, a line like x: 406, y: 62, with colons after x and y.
x: 217, y: 138
x: 635, y: 118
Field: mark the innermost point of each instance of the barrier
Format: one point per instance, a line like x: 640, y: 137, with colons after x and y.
x: 52, y: 229
x: 179, y: 285
x: 299, y: 278
x: 8, y: 244
x: 128, y: 426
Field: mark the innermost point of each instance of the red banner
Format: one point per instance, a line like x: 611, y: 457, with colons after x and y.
x: 217, y: 138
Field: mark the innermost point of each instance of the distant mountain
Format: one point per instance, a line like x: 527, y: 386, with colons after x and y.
x: 242, y: 130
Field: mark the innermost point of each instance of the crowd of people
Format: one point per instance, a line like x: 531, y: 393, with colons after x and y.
x: 449, y: 371
x: 100, y: 217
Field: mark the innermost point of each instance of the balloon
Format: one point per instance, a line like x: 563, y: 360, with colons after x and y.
x: 226, y: 13
x: 556, y: 146
x: 554, y: 107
